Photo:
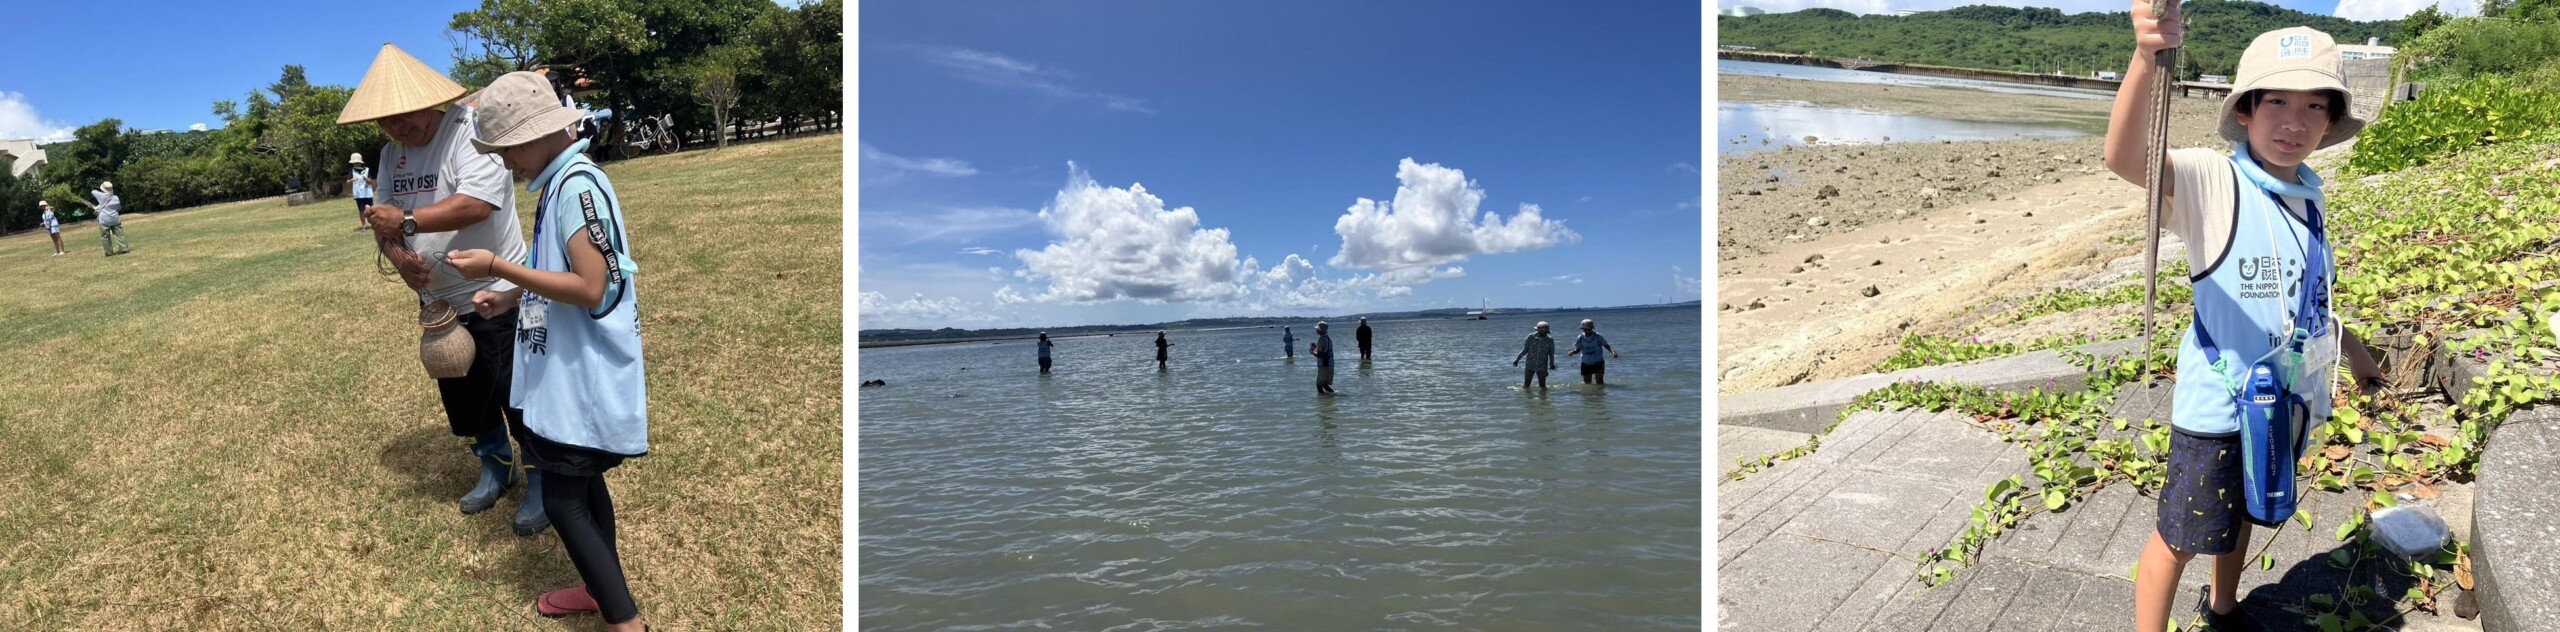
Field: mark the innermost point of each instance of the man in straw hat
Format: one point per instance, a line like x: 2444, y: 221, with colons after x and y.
x: 110, y: 210
x: 2264, y: 319
x: 440, y: 196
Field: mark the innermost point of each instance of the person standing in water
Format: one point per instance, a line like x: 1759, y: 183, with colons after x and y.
x: 1540, y: 350
x: 1595, y: 370
x: 1288, y: 344
x: 1322, y: 349
x: 1045, y: 346
x: 1161, y: 346
x: 1362, y: 335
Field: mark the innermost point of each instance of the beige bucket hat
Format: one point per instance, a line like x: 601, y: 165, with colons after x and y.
x: 355, y: 159
x: 516, y: 109
x: 2298, y: 58
x: 397, y: 84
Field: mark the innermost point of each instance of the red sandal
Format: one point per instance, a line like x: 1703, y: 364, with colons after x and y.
x: 565, y: 602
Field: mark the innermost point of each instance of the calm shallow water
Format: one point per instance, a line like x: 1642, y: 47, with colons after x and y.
x: 1745, y: 128
x: 1430, y: 493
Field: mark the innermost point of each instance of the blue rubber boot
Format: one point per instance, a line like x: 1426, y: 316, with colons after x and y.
x: 497, y: 472
x: 530, y: 518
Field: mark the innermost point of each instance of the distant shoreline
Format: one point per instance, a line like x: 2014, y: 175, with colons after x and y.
x: 1098, y: 331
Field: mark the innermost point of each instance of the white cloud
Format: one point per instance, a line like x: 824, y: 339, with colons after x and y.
x: 2370, y: 10
x: 1689, y: 285
x: 1692, y: 203
x: 1567, y: 279
x: 1585, y: 198
x: 1006, y: 296
x: 1123, y: 244
x: 1005, y: 72
x: 980, y: 251
x: 19, y: 121
x: 196, y: 127
x: 1682, y: 167
x: 885, y: 166
x: 918, y: 309
x: 957, y: 224
x: 1431, y: 223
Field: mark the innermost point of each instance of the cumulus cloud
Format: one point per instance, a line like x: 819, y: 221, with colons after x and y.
x: 2370, y: 10
x: 1432, y: 223
x: 1006, y: 296
x: 1117, y: 243
x: 883, y: 166
x: 1690, y: 285
x: 999, y: 71
x: 19, y: 121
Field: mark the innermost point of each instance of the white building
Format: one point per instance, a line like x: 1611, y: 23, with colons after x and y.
x: 24, y: 154
x: 2372, y: 48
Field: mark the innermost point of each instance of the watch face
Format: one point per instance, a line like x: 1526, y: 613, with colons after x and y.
x: 409, y: 226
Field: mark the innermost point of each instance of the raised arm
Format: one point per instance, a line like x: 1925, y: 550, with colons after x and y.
x: 2131, y: 116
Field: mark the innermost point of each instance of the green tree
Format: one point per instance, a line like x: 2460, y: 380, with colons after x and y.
x: 2417, y: 24
x: 715, y: 84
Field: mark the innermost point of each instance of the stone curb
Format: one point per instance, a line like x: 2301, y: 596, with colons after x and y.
x: 1809, y: 408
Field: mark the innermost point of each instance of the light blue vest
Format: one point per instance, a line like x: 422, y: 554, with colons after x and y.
x: 578, y: 375
x: 2246, y: 299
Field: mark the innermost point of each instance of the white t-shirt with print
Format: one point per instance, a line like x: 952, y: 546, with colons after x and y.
x: 419, y: 177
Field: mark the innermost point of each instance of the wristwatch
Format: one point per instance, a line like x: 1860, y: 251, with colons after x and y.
x: 408, y: 222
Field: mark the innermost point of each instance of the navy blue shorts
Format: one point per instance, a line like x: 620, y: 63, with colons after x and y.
x: 2200, y: 510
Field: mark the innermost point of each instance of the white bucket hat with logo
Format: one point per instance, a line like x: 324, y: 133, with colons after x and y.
x: 2299, y: 58
x: 516, y: 109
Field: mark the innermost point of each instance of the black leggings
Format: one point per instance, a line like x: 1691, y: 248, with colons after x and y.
x: 582, y: 512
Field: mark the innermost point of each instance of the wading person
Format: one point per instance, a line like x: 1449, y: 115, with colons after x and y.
x: 110, y: 211
x: 1288, y: 344
x: 2264, y: 320
x: 579, y: 372
x: 1161, y: 348
x: 52, y: 227
x: 1540, y: 350
x: 1322, y: 349
x: 1361, y: 336
x: 1045, y: 346
x: 360, y: 183
x: 440, y: 196
x: 1595, y: 369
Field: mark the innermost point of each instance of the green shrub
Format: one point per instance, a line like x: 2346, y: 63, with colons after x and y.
x: 2452, y: 118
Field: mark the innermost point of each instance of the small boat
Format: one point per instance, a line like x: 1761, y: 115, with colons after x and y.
x: 1480, y: 313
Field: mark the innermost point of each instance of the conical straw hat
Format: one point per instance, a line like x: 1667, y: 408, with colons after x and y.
x: 397, y: 84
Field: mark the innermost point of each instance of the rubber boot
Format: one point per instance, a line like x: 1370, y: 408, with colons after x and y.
x: 497, y: 473
x: 530, y: 518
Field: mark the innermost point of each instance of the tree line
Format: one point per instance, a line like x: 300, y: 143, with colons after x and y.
x: 716, y: 66
x: 2031, y: 39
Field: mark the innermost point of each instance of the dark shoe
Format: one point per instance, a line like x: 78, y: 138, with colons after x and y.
x: 495, y: 477
x: 529, y: 516
x: 2237, y: 621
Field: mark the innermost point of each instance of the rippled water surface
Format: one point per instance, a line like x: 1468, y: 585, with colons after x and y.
x: 1431, y: 493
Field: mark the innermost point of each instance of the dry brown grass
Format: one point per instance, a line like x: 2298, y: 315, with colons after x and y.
x: 229, y: 430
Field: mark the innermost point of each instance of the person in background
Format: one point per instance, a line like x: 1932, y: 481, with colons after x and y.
x: 52, y: 227
x: 1589, y: 345
x: 110, y: 210
x: 1540, y: 350
x: 1362, y: 336
x: 360, y: 183
x: 1322, y: 349
x: 1161, y: 346
x: 1045, y: 346
x: 1288, y: 344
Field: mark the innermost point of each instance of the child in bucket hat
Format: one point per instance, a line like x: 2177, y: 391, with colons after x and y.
x: 2264, y: 270
x: 578, y: 379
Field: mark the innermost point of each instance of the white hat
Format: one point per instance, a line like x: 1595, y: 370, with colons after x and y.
x: 1586, y: 323
x: 107, y: 185
x: 1542, y: 325
x: 518, y: 108
x: 355, y: 159
x: 2298, y: 58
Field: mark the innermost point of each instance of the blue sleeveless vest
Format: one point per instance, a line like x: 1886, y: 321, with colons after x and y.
x: 2245, y: 300
x: 579, y: 377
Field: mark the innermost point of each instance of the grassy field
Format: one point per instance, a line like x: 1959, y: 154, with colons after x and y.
x: 229, y: 430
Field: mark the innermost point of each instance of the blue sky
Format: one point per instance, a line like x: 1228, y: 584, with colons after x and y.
x: 160, y: 64
x: 2350, y: 9
x: 1530, y: 154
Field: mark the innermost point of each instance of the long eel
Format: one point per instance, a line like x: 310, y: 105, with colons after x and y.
x: 2164, y: 78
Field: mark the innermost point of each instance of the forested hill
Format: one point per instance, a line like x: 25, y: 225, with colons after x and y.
x: 2028, y: 39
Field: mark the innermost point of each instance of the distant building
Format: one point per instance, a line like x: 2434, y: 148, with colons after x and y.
x: 1744, y: 12
x: 2213, y: 78
x: 2110, y: 75
x: 1738, y: 47
x: 2372, y: 48
x: 24, y: 156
